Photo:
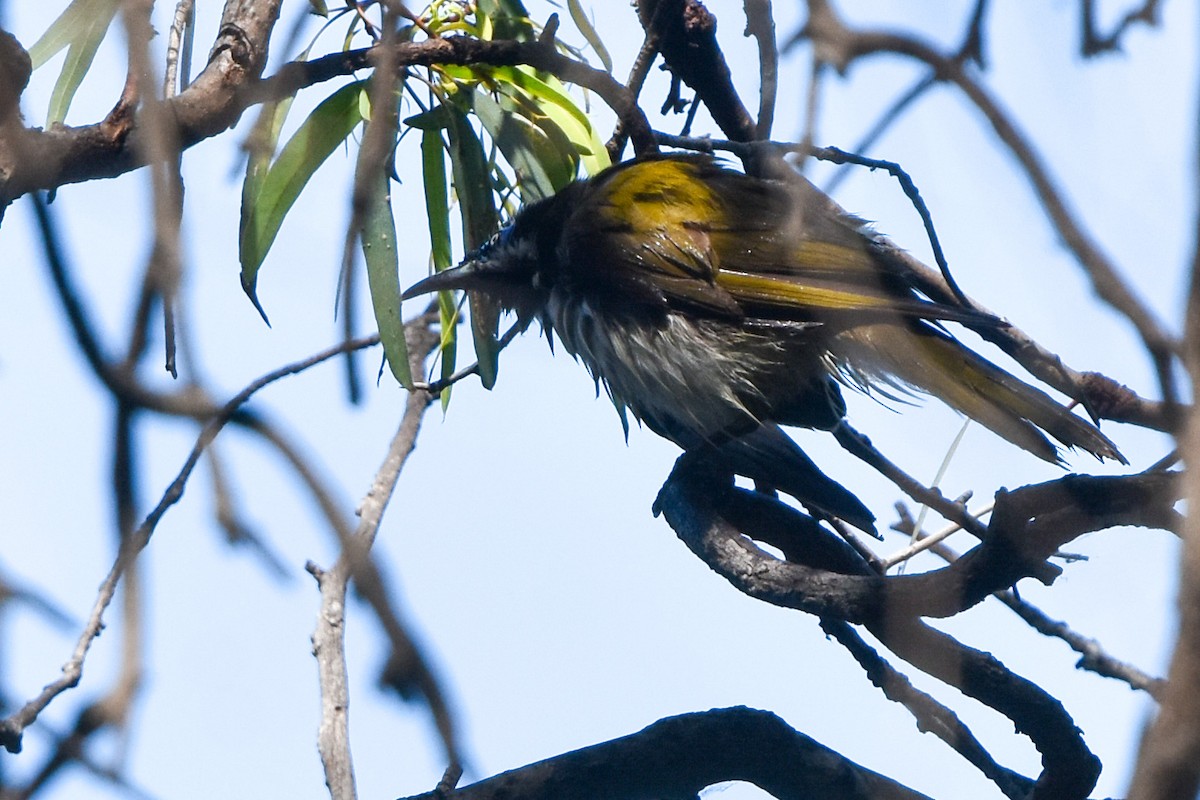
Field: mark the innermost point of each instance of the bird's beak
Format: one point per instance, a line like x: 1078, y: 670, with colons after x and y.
x: 469, y: 275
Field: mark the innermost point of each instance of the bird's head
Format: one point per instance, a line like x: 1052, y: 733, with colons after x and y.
x: 516, y: 267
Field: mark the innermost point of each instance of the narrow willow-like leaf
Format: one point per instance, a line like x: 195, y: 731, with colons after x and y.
x: 479, y: 222
x: 539, y: 164
x: 313, y: 142
x: 383, y: 278
x: 261, y: 146
x: 547, y: 101
x: 579, y: 16
x: 80, y: 28
x: 68, y: 26
x: 437, y: 210
x: 437, y: 197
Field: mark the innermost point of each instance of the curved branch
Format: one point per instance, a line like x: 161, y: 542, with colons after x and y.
x: 229, y: 85
x: 1029, y: 524
x: 1069, y: 768
x: 37, y: 159
x: 930, y: 715
x: 680, y: 756
x: 841, y: 46
x: 716, y: 522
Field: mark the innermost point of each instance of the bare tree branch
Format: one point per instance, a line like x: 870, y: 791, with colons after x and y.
x: 12, y: 727
x: 1028, y: 526
x: 1093, y: 43
x: 841, y: 46
x: 931, y: 715
x: 229, y: 85
x: 405, y: 667
x: 686, y: 34
x: 760, y: 23
x: 680, y: 756
x: 1169, y: 762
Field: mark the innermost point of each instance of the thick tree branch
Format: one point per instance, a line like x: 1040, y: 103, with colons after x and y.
x: 931, y: 715
x: 1028, y: 526
x: 686, y: 33
x: 37, y: 159
x: 680, y: 756
x: 229, y: 85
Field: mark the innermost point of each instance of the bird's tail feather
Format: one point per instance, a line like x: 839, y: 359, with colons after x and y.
x: 768, y: 456
x: 930, y: 361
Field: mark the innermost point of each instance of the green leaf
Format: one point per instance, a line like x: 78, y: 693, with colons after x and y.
x: 589, y: 33
x: 437, y: 197
x: 437, y: 209
x: 435, y: 119
x: 80, y: 28
x: 270, y: 200
x: 505, y: 19
x: 261, y: 147
x: 448, y: 314
x: 383, y: 278
x: 541, y: 166
x: 543, y: 92
x: 69, y: 27
x: 470, y: 168
x: 547, y: 101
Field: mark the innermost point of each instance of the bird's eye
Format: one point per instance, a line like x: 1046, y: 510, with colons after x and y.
x: 481, y: 253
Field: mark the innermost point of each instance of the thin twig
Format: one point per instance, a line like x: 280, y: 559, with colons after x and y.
x: 355, y: 562
x: 634, y: 83
x: 923, y: 541
x: 1093, y: 43
x: 179, y: 38
x: 1093, y: 658
x: 237, y: 531
x: 837, y: 156
x: 760, y: 23
x: 843, y: 45
x: 439, y: 386
x: 12, y: 727
x: 881, y: 126
x: 930, y: 715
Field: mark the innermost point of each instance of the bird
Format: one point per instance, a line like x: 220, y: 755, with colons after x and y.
x: 717, y: 306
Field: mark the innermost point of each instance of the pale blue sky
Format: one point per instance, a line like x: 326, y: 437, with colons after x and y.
x: 520, y: 539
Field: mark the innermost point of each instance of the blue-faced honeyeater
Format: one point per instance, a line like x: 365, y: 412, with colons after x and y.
x: 717, y: 306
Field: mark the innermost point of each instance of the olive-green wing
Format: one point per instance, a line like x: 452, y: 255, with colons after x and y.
x: 684, y: 231
x: 640, y: 236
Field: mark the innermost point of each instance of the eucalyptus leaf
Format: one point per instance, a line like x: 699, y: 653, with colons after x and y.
x: 480, y: 221
x: 580, y: 18
x: 437, y: 210
x: 539, y: 164
x: 80, y: 28
x: 437, y: 197
x: 268, y: 201
x: 378, y: 239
